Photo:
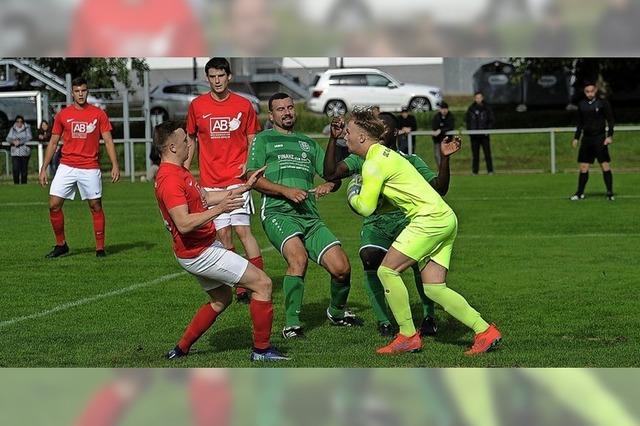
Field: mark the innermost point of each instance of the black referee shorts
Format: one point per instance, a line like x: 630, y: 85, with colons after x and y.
x: 592, y: 148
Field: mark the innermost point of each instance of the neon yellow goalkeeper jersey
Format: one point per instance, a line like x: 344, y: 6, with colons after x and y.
x: 386, y: 172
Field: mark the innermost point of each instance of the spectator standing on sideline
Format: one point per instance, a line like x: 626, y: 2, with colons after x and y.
x: 406, y: 124
x: 18, y: 137
x: 442, y: 123
x: 480, y: 117
x: 595, y: 125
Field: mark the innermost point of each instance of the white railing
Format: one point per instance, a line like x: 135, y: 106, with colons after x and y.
x: 550, y: 130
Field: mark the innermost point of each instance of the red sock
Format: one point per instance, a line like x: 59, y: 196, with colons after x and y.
x: 257, y: 262
x: 104, y: 409
x: 202, y: 320
x: 98, y: 228
x: 211, y: 401
x: 57, y: 223
x: 262, y: 318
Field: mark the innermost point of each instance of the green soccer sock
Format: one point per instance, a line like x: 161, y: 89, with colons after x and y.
x: 428, y: 307
x: 456, y: 305
x: 398, y: 299
x: 339, y: 295
x: 293, y: 287
x: 375, y: 291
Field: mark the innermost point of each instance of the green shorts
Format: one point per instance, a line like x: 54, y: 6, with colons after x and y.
x: 427, y: 238
x: 380, y: 232
x: 315, y: 235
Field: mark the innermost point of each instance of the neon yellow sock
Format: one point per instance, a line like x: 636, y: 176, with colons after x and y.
x: 456, y: 305
x: 398, y: 299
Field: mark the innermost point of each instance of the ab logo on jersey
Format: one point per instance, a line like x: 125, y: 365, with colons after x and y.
x: 80, y: 130
x: 221, y: 127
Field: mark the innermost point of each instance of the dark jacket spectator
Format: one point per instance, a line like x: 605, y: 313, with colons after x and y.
x: 443, y: 121
x: 480, y: 117
x: 406, y: 124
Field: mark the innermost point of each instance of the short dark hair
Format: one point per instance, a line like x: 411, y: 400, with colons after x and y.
x: 443, y: 104
x: 218, y: 64
x: 277, y: 96
x: 19, y: 117
x: 162, y: 132
x: 390, y: 116
x: 590, y: 83
x: 79, y: 81
x: 478, y: 92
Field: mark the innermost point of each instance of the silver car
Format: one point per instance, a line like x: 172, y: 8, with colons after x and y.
x: 171, y: 99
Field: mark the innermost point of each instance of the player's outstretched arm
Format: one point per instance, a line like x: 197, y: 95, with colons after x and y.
x: 215, y: 197
x: 186, y: 222
x: 48, y: 156
x: 448, y: 147
x: 265, y: 186
x: 113, y: 157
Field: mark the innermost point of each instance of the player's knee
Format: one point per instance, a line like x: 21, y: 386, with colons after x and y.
x: 264, y: 285
x: 95, y: 207
x: 342, y: 272
x: 298, y: 263
x: 371, y: 258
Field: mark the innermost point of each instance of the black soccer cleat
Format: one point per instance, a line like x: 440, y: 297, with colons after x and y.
x: 175, y: 353
x: 58, y: 251
x: 349, y: 319
x: 428, y: 327
x: 270, y: 354
x: 101, y: 253
x: 386, y: 330
x: 610, y: 196
x: 577, y: 197
x: 293, y: 332
x: 243, y: 298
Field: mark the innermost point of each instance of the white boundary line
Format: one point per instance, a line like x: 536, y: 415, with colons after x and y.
x: 80, y: 302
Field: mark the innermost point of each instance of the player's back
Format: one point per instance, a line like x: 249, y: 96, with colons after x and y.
x: 402, y: 184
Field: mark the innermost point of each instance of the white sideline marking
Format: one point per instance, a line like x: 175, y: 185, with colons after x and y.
x: 86, y: 300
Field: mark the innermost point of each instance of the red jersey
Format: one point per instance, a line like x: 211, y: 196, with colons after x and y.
x: 176, y: 186
x: 81, y: 130
x: 136, y: 28
x: 222, y: 128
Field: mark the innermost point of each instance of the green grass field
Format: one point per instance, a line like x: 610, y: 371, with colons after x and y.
x: 559, y: 279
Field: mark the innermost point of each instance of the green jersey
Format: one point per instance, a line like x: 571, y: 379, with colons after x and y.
x: 354, y: 164
x: 387, y: 173
x: 292, y: 160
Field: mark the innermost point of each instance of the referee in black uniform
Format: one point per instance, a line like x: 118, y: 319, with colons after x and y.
x: 595, y: 125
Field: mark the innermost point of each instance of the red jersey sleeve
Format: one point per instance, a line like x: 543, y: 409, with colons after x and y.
x: 253, y: 125
x: 173, y: 192
x: 191, y: 120
x: 105, y: 124
x: 57, y: 128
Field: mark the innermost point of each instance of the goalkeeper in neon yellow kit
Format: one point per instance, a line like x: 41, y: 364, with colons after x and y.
x: 427, y: 239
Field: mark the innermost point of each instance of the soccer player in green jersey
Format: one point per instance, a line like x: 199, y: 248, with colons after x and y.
x: 290, y: 216
x: 427, y: 240
x: 381, y: 228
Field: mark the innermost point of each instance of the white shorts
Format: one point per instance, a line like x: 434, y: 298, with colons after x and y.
x: 216, y: 266
x: 89, y: 182
x: 238, y: 217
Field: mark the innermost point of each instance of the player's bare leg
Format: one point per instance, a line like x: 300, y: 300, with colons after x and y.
x: 57, y: 223
x: 335, y: 261
x: 97, y: 215
x: 252, y: 253
x: 295, y: 254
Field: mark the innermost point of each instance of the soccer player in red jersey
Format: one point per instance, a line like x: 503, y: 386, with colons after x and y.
x: 80, y: 126
x: 184, y: 208
x: 136, y: 28
x: 224, y: 125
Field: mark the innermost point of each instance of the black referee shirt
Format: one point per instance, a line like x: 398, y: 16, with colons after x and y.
x: 593, y: 117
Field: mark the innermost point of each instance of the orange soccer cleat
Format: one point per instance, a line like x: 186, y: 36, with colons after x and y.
x: 485, y: 341
x: 402, y: 344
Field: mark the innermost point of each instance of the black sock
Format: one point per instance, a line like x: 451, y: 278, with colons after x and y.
x: 582, y: 182
x: 608, y: 181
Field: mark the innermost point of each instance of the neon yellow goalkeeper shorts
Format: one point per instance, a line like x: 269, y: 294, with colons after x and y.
x: 429, y: 238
